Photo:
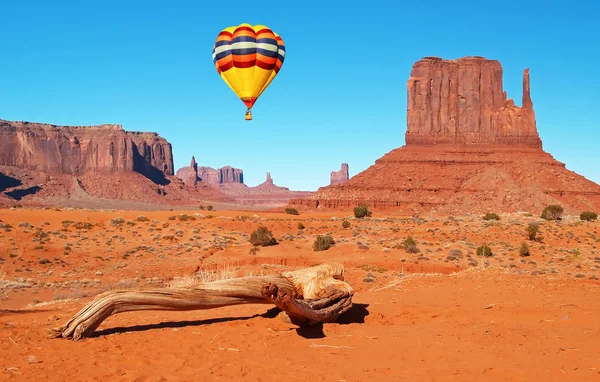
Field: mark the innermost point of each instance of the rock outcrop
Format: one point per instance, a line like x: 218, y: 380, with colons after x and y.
x: 189, y: 174
x: 468, y: 149
x: 193, y: 174
x: 463, y: 102
x: 92, y: 167
x: 265, y: 194
x: 77, y: 149
x: 339, y: 177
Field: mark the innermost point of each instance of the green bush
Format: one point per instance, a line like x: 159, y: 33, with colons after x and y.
x: 142, y: 219
x: 201, y: 208
x: 345, y: 224
x: 291, y: 211
x: 484, y: 251
x: 209, y: 208
x: 588, y: 216
x: 410, y: 245
x: 532, y: 231
x: 300, y: 225
x: 323, y: 243
x: 362, y: 211
x: 491, y: 216
x: 552, y: 212
x: 524, y: 250
x: 262, y: 237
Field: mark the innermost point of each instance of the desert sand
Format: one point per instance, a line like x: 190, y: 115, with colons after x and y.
x: 437, y: 315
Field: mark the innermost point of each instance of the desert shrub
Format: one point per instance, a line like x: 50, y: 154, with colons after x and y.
x: 524, y: 250
x: 291, y: 211
x: 262, y: 237
x: 254, y: 250
x: 142, y: 219
x: 410, y: 245
x: 362, y: 211
x: 186, y: 217
x: 201, y: 208
x: 484, y: 251
x: 532, y: 231
x: 83, y: 225
x: 491, y: 216
x: 300, y: 225
x: 345, y: 224
x: 209, y: 208
x: 552, y: 212
x: 323, y: 243
x: 588, y: 216
x: 117, y: 222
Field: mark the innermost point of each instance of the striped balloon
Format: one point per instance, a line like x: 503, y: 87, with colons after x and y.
x: 248, y: 58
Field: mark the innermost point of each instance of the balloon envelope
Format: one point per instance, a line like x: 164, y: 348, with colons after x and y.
x: 248, y: 58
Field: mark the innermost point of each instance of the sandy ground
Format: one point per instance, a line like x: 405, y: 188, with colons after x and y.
x: 443, y: 314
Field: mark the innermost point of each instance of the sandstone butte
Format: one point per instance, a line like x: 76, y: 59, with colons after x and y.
x: 469, y: 149
x: 339, y: 177
x: 193, y: 174
x: 58, y: 164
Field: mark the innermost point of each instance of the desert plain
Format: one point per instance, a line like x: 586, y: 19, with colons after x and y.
x: 439, y: 313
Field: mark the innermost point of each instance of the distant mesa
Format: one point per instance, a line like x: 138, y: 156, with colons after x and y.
x: 339, y: 177
x: 230, y: 181
x: 77, y: 149
x: 469, y: 149
x: 95, y: 166
x: 193, y: 174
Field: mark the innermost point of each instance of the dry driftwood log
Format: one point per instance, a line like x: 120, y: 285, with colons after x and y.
x: 308, y: 296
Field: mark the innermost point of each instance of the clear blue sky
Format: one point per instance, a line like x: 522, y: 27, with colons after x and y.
x: 340, y: 96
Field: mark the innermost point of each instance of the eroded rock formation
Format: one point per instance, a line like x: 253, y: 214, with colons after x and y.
x: 77, y: 149
x: 462, y: 101
x: 339, y: 177
x: 193, y: 174
x: 468, y: 149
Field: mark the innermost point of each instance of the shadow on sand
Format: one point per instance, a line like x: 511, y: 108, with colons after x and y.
x: 355, y: 315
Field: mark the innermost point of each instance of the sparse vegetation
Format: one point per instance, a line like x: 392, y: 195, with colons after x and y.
x: 209, y: 208
x: 82, y: 225
x: 484, y: 251
x: 532, y: 231
x: 588, y: 216
x: 362, y: 211
x: 524, y: 250
x: 410, y: 245
x: 323, y: 243
x: 552, y: 212
x: 117, y: 222
x: 291, y: 211
x: 142, y: 219
x: 300, y: 225
x: 262, y: 237
x: 186, y: 217
x: 491, y: 216
x: 345, y: 224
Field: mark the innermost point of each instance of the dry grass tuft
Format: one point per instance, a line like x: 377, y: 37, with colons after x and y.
x: 203, y: 276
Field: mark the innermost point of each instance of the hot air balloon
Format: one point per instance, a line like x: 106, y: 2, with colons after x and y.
x: 248, y: 58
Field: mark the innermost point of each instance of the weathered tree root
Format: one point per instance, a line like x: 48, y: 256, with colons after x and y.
x: 309, y: 296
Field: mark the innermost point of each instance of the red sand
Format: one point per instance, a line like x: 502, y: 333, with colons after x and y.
x: 510, y: 321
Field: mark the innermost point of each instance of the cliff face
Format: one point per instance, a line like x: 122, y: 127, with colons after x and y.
x: 468, y: 149
x: 339, y: 177
x: 77, y: 149
x: 462, y: 102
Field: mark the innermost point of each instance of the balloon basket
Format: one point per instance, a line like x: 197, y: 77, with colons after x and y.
x: 248, y: 116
